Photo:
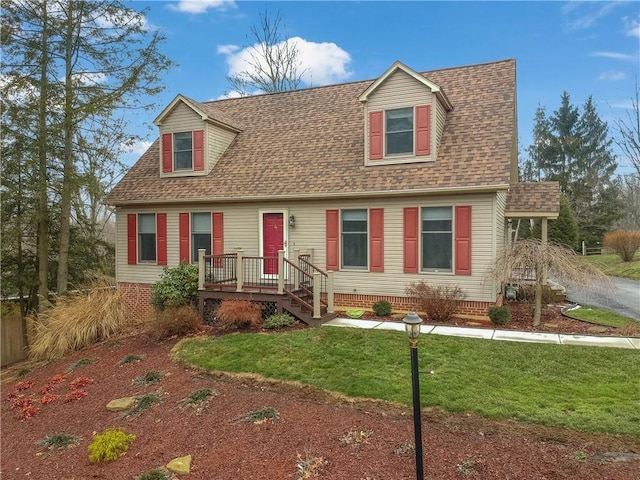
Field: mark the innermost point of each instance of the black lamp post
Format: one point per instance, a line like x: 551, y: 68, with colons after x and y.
x: 412, y: 324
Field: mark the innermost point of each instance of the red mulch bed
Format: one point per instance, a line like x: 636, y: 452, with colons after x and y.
x: 312, y: 424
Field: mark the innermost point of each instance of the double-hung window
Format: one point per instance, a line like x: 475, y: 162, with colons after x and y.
x: 354, y: 238
x: 200, y: 234
x: 183, y: 151
x: 146, y: 237
x: 437, y: 239
x: 399, y: 131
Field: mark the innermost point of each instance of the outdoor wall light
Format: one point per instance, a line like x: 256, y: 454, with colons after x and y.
x: 412, y: 324
x: 292, y: 221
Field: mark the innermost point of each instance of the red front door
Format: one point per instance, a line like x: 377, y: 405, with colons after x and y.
x: 272, y: 241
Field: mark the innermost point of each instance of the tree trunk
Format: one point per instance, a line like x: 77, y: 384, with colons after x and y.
x: 43, y: 207
x: 537, y: 311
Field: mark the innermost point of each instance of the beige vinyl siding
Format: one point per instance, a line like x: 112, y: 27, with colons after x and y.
x: 241, y: 230
x: 217, y: 140
x: 441, y: 117
x: 400, y: 90
x: 181, y: 119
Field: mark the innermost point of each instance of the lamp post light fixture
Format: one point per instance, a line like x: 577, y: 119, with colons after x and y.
x: 412, y: 324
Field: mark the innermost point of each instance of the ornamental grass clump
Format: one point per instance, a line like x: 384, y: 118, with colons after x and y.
x: 109, y: 445
x: 154, y: 376
x: 77, y: 321
x: 625, y: 243
x: 172, y: 321
x: 59, y: 441
x: 236, y: 314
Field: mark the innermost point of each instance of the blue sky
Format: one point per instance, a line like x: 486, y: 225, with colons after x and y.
x: 585, y: 48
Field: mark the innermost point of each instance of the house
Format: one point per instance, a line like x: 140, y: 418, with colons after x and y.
x: 363, y: 187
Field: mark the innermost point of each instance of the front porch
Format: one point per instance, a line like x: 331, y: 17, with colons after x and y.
x: 280, y: 285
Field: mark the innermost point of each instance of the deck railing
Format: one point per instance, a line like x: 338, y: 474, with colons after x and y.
x: 299, y: 279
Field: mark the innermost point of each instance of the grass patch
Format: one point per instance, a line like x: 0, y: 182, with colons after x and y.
x: 144, y: 403
x: 260, y: 416
x: 197, y: 398
x: 131, y: 358
x: 59, y: 441
x: 612, y: 265
x: 585, y: 388
x: 154, y: 376
x: 600, y: 317
x: 83, y: 362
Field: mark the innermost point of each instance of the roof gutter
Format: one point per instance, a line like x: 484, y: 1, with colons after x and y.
x: 315, y: 196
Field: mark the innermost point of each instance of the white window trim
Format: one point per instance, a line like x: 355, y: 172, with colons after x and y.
x: 139, y: 243
x: 341, y: 249
x: 173, y: 152
x: 435, y: 271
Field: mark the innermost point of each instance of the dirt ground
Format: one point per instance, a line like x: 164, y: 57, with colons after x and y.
x: 315, y: 433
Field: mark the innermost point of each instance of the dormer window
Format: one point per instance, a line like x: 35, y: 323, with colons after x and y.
x: 183, y: 151
x: 399, y: 131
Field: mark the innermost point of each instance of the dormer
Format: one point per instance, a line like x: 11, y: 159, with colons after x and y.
x: 404, y: 117
x: 193, y: 137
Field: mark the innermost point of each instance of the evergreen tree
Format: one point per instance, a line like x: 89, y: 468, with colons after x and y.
x: 573, y: 148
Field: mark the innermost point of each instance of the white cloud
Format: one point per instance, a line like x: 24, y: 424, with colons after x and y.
x: 227, y: 49
x: 583, y: 20
x: 625, y: 57
x: 320, y: 63
x: 611, y: 75
x: 631, y: 27
x: 138, y: 147
x: 201, y: 6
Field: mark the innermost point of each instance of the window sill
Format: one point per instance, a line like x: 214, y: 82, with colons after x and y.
x: 401, y: 159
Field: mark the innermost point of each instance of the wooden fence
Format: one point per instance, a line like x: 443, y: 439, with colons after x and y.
x: 12, y: 341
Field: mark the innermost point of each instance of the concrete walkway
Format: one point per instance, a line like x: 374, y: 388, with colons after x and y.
x: 491, y: 334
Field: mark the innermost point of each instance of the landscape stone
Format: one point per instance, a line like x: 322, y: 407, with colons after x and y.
x: 180, y: 465
x: 121, y: 404
x: 551, y: 325
x: 597, y: 329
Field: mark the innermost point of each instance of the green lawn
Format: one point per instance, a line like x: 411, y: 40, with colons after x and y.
x: 585, y: 388
x: 599, y: 316
x: 612, y: 265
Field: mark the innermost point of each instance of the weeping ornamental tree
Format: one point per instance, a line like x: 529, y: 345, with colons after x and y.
x: 544, y: 259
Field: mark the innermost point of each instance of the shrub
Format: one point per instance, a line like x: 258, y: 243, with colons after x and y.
x: 173, y: 321
x: 382, y: 308
x: 177, y: 286
x: 155, y: 474
x: 260, y: 416
x: 144, y: 403
x: 109, y: 445
x: 238, y: 314
x: 625, y: 243
x: 131, y: 358
x: 59, y: 441
x: 438, y: 302
x: 77, y: 321
x: 154, y: 376
x: 278, y: 320
x: 499, y: 315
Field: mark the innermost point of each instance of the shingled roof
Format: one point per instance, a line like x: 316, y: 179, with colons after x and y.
x: 533, y: 199
x: 310, y: 143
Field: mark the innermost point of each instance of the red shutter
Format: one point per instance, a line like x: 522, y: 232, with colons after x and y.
x: 167, y: 153
x: 376, y: 240
x: 198, y: 150
x: 375, y: 135
x: 411, y: 240
x: 161, y: 238
x: 218, y: 237
x: 183, y: 227
x: 132, y: 239
x: 333, y: 239
x: 463, y: 240
x: 423, y: 130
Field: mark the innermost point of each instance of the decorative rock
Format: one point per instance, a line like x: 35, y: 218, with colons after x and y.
x: 551, y: 325
x: 597, y: 329
x: 121, y: 404
x: 180, y: 465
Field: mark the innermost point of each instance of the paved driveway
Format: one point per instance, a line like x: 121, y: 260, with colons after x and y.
x: 623, y: 299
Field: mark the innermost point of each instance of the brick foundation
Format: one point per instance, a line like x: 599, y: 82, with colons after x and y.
x: 137, y: 300
x: 467, y: 309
